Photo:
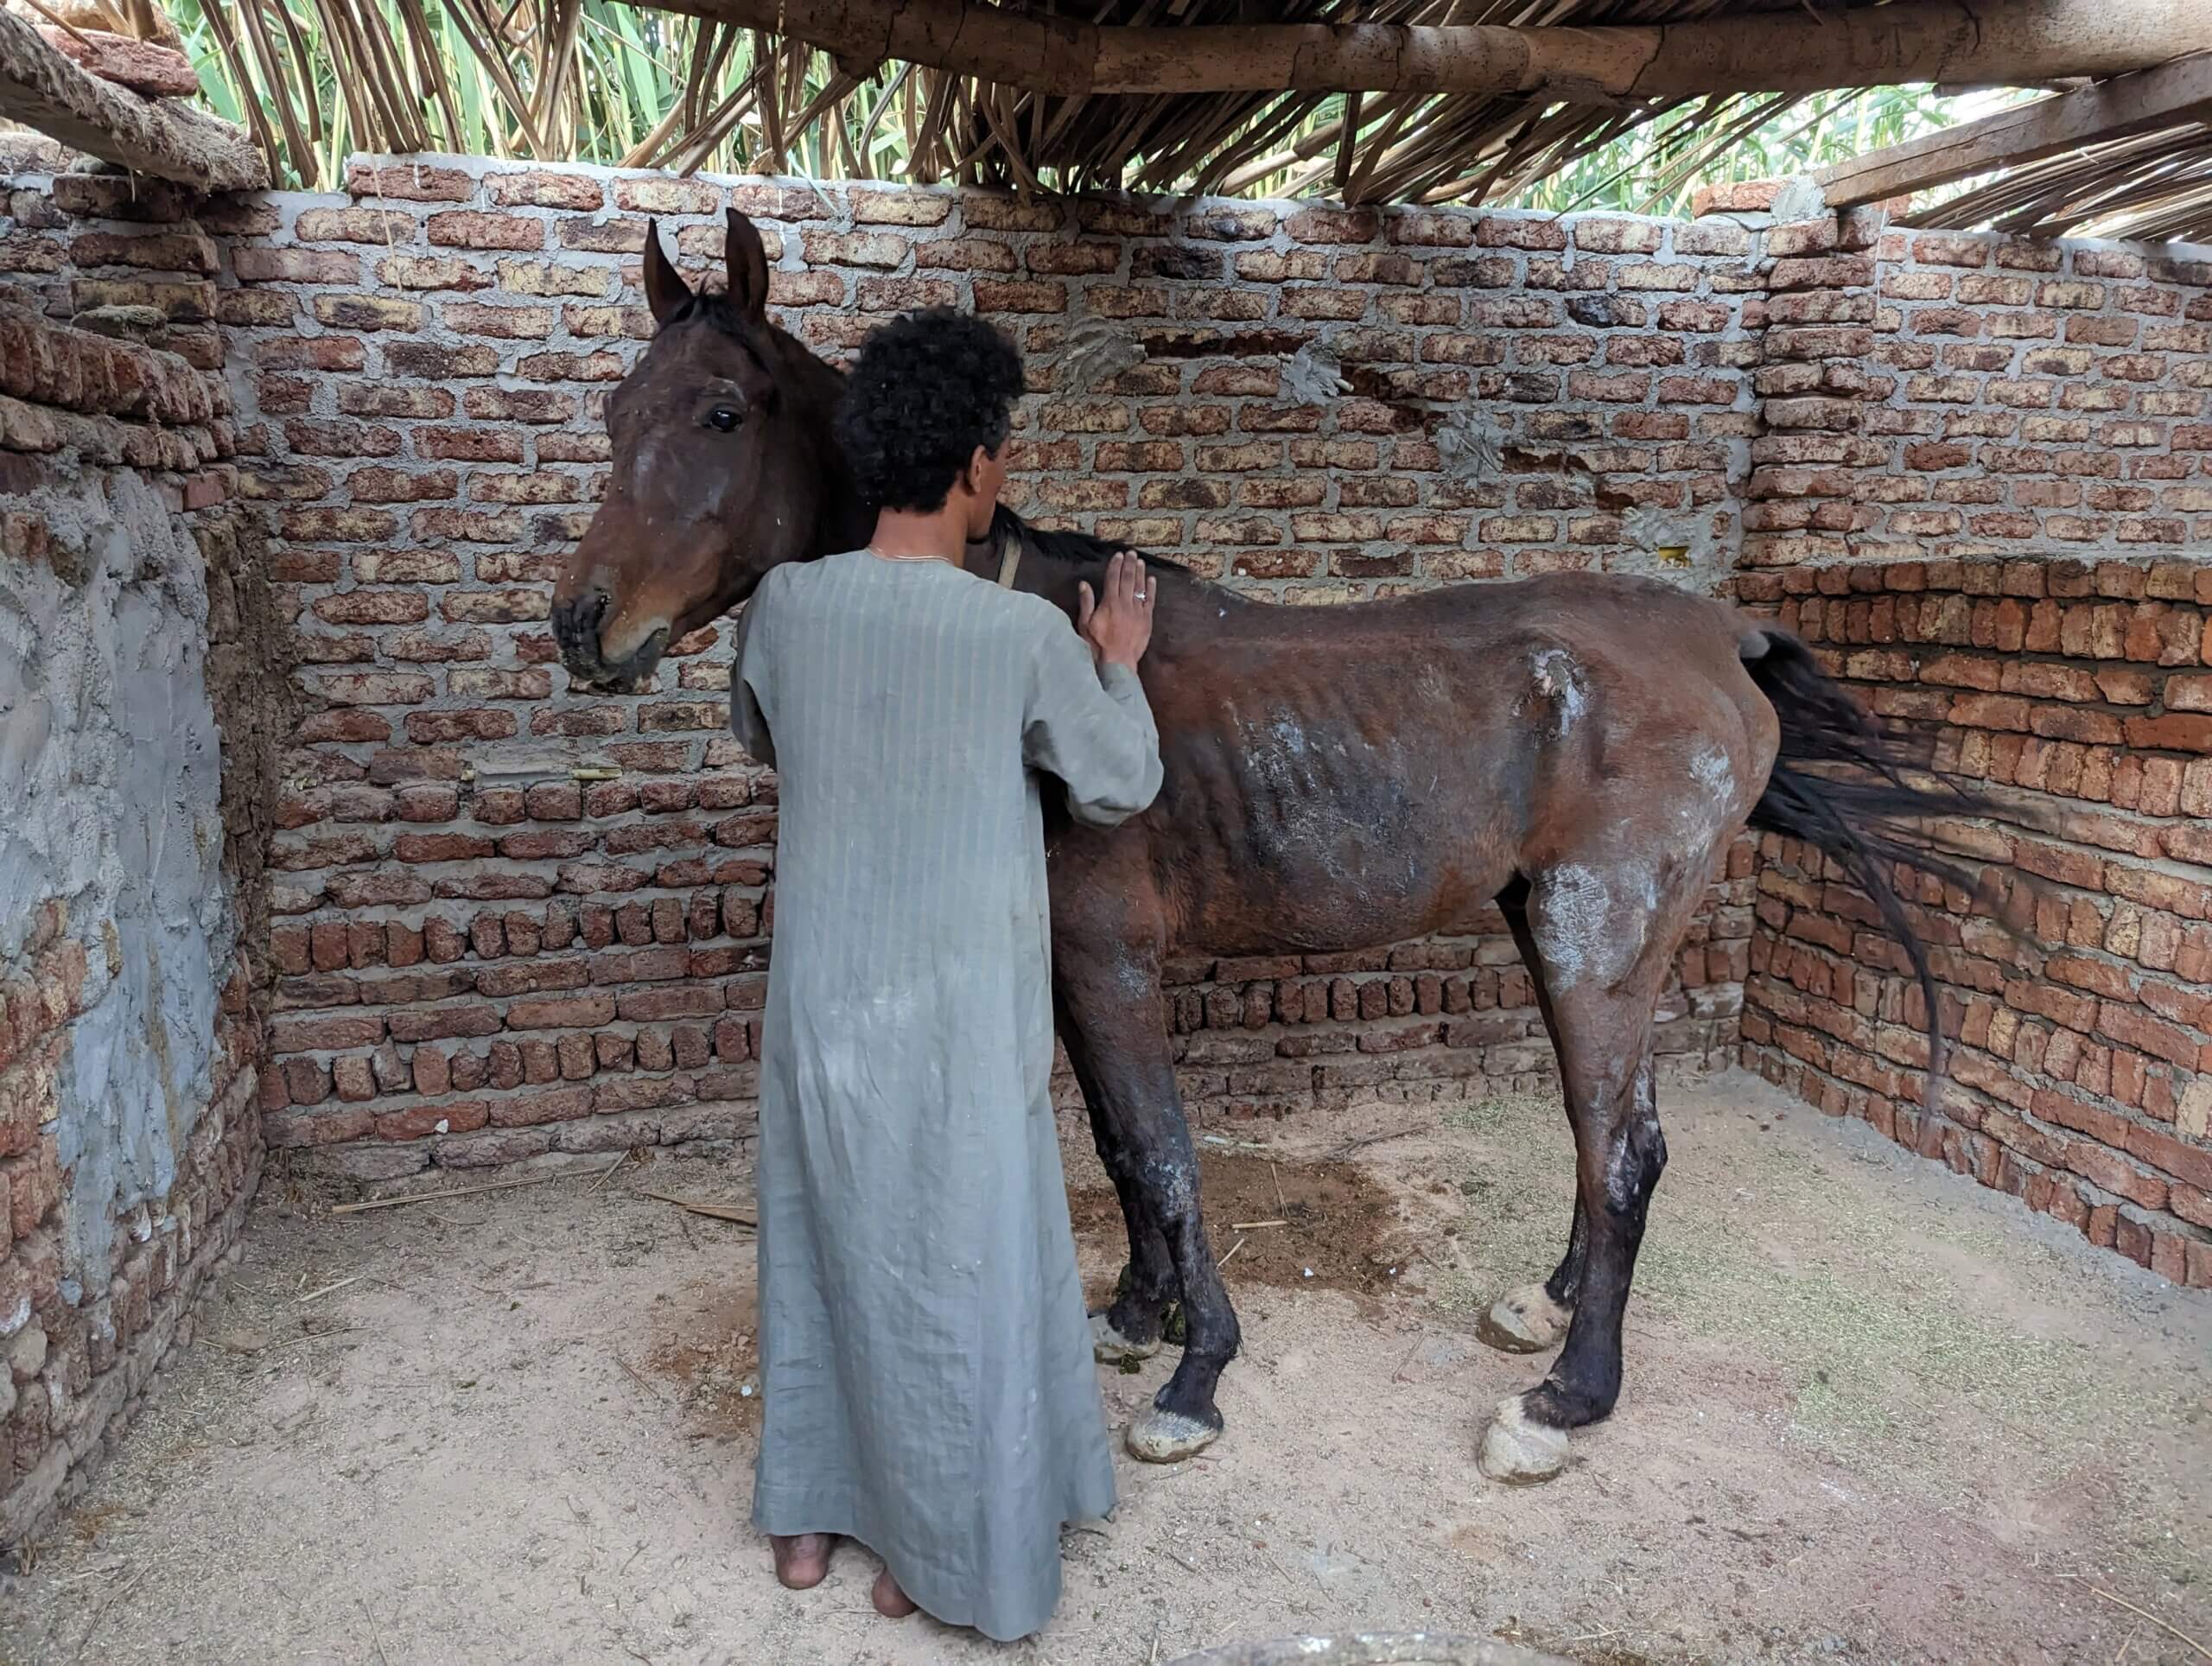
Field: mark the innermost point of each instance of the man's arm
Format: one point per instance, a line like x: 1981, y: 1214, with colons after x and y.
x: 1088, y: 720
x: 746, y: 720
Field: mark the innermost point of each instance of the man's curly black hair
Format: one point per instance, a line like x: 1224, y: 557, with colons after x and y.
x: 929, y: 388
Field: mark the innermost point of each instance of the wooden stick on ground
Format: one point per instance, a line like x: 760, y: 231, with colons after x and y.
x: 640, y: 1378
x: 450, y: 1192
x: 713, y: 1211
x: 1253, y: 1226
x: 2143, y: 1613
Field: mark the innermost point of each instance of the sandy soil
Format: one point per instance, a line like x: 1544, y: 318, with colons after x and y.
x: 1873, y: 1413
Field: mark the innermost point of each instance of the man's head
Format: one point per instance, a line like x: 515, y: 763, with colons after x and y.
x: 926, y: 413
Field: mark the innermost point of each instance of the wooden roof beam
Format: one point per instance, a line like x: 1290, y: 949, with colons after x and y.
x: 42, y: 89
x: 1790, y: 51
x: 2169, y: 96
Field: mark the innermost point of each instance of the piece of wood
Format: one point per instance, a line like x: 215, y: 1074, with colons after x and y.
x: 707, y: 1206
x: 41, y: 88
x: 150, y: 71
x: 450, y: 1191
x: 316, y: 1295
x: 1795, y: 50
x: 2168, y: 96
x: 2143, y: 1613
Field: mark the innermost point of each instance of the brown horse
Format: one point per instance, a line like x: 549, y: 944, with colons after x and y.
x: 1579, y: 748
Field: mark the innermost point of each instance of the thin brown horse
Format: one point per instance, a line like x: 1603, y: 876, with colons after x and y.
x: 1579, y: 748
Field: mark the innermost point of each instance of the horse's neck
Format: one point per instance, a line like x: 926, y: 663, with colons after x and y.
x: 841, y: 521
x: 1056, y: 581
x: 1034, y: 574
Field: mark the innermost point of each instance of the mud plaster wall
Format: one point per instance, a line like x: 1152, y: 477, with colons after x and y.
x: 127, y: 1141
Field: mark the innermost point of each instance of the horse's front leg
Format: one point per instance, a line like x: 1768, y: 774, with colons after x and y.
x: 1132, y: 1325
x: 1117, y: 1021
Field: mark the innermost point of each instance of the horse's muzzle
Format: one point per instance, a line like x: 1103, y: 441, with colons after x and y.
x: 576, y: 624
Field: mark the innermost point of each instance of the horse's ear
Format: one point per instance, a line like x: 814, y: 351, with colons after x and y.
x: 666, y: 293
x: 749, y: 269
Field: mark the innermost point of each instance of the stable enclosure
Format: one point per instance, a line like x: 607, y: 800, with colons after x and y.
x: 295, y: 470
x: 333, y: 912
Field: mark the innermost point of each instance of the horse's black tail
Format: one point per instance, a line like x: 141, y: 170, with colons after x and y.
x: 1873, y: 776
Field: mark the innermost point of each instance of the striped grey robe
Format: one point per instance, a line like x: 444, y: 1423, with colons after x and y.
x: 925, y: 1362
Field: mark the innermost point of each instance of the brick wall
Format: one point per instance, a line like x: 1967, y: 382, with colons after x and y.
x: 516, y: 919
x: 130, y: 1139
x: 1992, y: 515
x: 513, y: 920
x: 1964, y: 396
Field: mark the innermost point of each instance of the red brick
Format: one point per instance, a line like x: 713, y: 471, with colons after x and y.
x: 413, y: 181
x: 546, y: 189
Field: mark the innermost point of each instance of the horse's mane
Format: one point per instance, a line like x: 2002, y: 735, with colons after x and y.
x: 1074, y: 549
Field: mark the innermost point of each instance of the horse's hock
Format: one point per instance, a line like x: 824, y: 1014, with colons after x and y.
x: 296, y: 470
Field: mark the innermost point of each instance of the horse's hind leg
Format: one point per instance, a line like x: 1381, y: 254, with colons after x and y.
x: 1130, y: 1327
x: 1605, y: 933
x: 1533, y: 1317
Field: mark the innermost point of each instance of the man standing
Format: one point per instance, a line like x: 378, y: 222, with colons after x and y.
x: 926, y: 1370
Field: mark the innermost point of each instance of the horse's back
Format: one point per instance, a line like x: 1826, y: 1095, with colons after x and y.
x: 1342, y: 776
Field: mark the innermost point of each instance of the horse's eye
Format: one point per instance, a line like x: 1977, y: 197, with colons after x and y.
x: 724, y: 417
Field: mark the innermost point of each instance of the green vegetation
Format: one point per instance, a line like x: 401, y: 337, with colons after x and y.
x: 602, y: 81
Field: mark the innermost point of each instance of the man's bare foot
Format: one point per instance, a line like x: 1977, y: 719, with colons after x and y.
x: 802, y: 1560
x: 890, y: 1601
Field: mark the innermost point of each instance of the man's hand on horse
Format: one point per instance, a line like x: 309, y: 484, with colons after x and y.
x: 1118, y: 625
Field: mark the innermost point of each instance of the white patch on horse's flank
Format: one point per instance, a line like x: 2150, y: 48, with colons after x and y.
x: 1286, y: 730
x: 1557, y: 678
x: 1590, y: 922
x: 1704, y: 816
x: 1567, y: 917
x: 1299, y: 767
x: 1710, y: 769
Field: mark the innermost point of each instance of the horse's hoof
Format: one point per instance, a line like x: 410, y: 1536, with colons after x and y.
x: 1168, y: 1437
x: 1109, y: 1347
x: 1519, y: 1451
x: 1526, y: 1320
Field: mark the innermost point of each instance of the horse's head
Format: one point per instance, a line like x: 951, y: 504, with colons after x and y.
x: 723, y: 466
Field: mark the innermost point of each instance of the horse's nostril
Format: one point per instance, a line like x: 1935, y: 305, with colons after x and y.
x: 595, y: 607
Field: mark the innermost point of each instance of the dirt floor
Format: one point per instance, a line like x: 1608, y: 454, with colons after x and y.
x: 1873, y: 1412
